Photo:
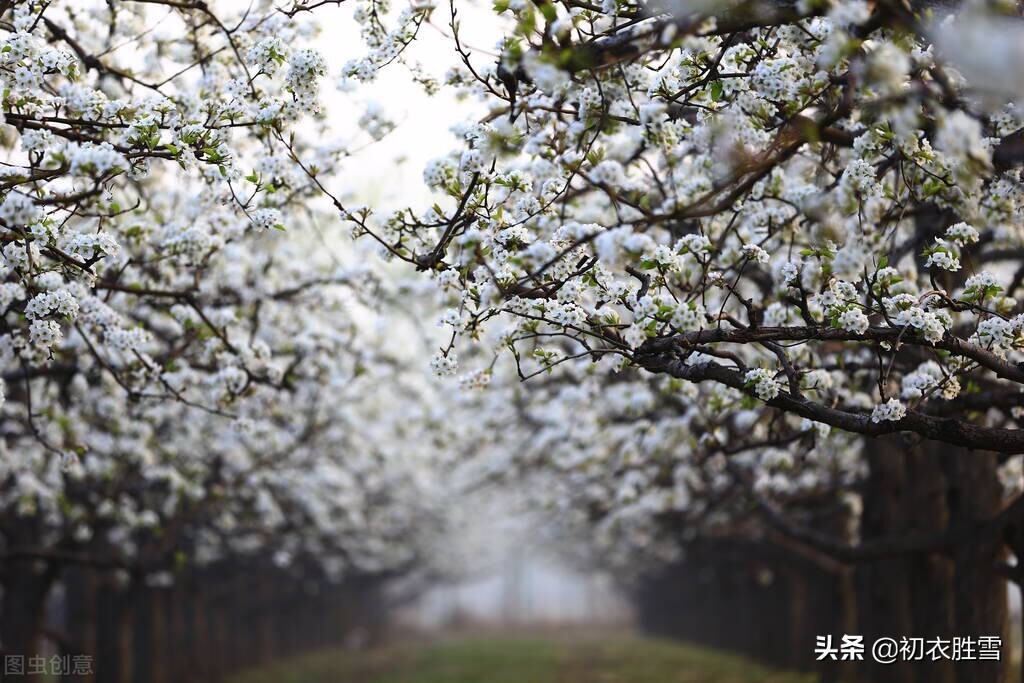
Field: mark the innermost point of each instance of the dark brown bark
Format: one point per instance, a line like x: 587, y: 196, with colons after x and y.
x: 177, y: 659
x: 658, y: 356
x: 884, y: 585
x: 81, y: 615
x: 199, y: 636
x: 26, y: 584
x: 924, y: 489
x: 931, y: 575
x: 150, y: 638
x: 267, y: 642
x: 980, y: 592
x: 114, y: 644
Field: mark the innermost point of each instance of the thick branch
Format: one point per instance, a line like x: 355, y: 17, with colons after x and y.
x: 1002, y: 368
x: 946, y: 430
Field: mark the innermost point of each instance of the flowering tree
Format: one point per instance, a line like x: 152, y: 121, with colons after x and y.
x: 765, y: 201
x: 723, y: 240
x: 806, y: 212
x: 183, y: 382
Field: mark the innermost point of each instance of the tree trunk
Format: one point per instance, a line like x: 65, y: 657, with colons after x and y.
x: 26, y: 586
x: 931, y: 575
x: 81, y: 617
x: 115, y: 610
x: 150, y: 638
x: 884, y: 585
x: 923, y: 489
x: 979, y: 591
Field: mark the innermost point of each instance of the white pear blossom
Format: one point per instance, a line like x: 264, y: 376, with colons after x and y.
x: 763, y: 383
x: 891, y: 410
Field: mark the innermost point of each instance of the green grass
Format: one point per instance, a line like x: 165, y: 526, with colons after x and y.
x: 519, y: 659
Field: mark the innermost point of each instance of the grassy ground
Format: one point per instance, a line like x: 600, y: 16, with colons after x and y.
x: 519, y: 659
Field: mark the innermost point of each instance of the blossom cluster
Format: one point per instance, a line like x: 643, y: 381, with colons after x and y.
x: 658, y: 214
x: 176, y: 373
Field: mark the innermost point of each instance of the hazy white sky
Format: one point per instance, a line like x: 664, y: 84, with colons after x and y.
x: 520, y: 581
x: 391, y: 169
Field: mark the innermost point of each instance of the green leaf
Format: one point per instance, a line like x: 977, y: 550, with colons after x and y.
x: 180, y: 560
